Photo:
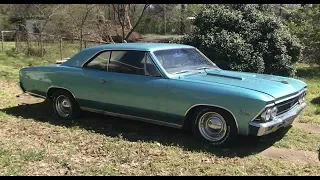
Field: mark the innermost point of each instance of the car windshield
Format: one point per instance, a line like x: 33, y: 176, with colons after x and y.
x: 176, y: 61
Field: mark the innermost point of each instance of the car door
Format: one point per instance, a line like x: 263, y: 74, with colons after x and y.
x: 93, y: 88
x: 136, y: 86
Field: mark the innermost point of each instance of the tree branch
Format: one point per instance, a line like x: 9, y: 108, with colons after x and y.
x: 137, y: 23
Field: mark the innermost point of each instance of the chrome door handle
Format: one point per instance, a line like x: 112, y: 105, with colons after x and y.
x: 105, y: 81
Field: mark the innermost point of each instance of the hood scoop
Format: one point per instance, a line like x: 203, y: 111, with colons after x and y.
x: 225, y: 76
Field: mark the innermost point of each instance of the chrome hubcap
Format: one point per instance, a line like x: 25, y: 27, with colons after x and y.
x: 63, y: 106
x: 212, y: 126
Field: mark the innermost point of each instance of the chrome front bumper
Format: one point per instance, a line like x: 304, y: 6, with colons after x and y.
x: 283, y: 120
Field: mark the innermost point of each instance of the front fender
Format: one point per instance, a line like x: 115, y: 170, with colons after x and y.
x: 243, y: 104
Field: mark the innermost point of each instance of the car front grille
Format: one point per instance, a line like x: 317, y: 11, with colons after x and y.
x: 287, y: 105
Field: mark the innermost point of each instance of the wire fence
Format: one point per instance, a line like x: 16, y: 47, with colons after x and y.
x: 35, y: 44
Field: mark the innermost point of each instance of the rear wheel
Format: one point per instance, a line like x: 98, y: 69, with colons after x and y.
x: 65, y: 106
x: 215, y: 127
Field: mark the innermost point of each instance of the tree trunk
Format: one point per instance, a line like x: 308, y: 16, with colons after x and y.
x: 60, y: 42
x: 127, y: 17
x: 109, y: 12
x: 182, y: 25
x: 114, y: 15
x: 123, y: 33
x: 165, y: 19
x: 137, y: 23
x: 41, y: 44
x: 81, y: 36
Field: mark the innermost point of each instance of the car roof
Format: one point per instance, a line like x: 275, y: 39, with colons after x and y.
x: 140, y: 46
x: 80, y: 58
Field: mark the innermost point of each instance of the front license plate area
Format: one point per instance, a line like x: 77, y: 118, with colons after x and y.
x: 288, y: 122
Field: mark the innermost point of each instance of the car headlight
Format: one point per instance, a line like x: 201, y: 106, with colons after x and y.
x: 274, y: 112
x: 269, y: 114
x: 302, y: 98
x: 266, y: 115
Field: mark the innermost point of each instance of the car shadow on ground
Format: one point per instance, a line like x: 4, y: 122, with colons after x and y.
x: 139, y: 131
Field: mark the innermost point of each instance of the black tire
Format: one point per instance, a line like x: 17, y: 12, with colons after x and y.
x: 231, y: 131
x: 75, y: 109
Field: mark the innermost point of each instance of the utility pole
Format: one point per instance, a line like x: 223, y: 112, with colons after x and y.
x: 2, y: 40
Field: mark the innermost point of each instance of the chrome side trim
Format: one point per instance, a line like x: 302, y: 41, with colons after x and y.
x: 235, y: 120
x: 290, y: 97
x: 36, y: 95
x: 58, y: 87
x: 133, y: 117
x: 92, y: 110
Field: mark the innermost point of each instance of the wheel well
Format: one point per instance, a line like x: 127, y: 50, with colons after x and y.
x: 188, y: 117
x: 54, y: 89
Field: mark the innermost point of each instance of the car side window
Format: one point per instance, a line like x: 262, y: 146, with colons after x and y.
x: 151, y: 69
x: 100, y: 62
x: 127, y: 62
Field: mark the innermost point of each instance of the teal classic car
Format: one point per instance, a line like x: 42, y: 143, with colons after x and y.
x: 167, y: 84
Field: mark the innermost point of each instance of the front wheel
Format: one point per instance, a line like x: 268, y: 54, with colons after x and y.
x: 65, y: 106
x: 215, y: 127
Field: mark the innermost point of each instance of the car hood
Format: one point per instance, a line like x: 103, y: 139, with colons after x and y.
x: 275, y: 86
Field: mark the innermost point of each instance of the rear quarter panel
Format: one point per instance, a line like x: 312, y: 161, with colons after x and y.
x: 40, y: 78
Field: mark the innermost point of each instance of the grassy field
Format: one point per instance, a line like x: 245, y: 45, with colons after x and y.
x: 34, y: 142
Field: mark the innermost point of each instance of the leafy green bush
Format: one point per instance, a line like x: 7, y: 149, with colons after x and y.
x: 245, y: 38
x: 304, y: 22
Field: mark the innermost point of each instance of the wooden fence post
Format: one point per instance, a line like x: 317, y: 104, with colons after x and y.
x: 2, y: 40
x: 16, y: 41
x: 61, y: 48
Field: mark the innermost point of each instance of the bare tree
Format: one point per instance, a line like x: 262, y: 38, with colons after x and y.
x: 137, y: 23
x: 80, y: 14
x: 165, y: 18
x: 45, y: 13
x: 182, y: 12
x: 122, y: 11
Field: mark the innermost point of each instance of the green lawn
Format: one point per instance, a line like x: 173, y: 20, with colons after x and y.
x: 34, y: 142
x: 311, y: 75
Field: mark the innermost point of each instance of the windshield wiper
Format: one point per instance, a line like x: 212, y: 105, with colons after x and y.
x: 183, y: 71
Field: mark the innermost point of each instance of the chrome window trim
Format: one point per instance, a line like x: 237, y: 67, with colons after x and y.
x: 235, y: 119
x: 172, y: 75
x: 111, y: 50
x: 154, y: 64
x: 133, y: 117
